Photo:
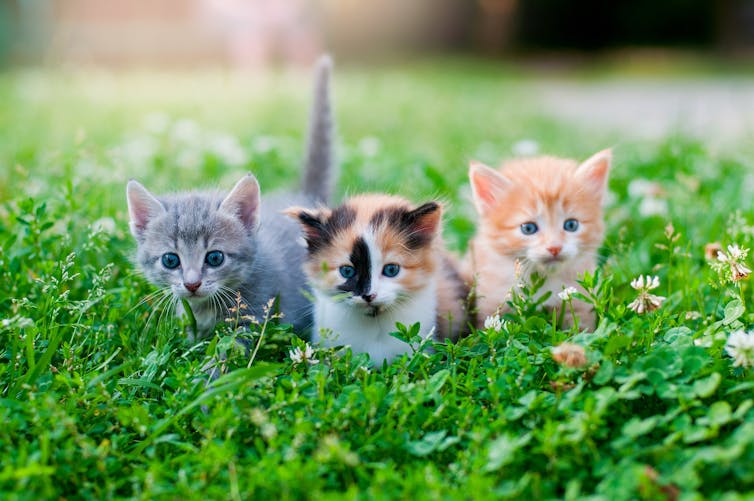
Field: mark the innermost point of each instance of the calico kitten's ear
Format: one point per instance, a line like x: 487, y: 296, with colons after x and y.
x: 142, y: 207
x: 487, y: 186
x: 595, y: 169
x: 313, y: 223
x: 424, y: 220
x: 243, y: 202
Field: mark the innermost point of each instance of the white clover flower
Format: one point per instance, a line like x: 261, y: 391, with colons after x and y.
x: 736, y: 252
x: 369, y: 146
x: 566, y: 293
x: 640, y: 188
x: 645, y: 301
x: 228, y: 149
x: 494, y: 322
x: 264, y: 144
x: 105, y: 225
x: 732, y: 263
x: 186, y: 131
x: 653, y: 206
x: 525, y: 148
x: 641, y: 283
x: 740, y: 347
x: 298, y: 356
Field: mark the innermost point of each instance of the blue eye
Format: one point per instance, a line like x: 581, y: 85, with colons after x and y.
x: 347, y: 271
x: 391, y: 270
x: 529, y: 228
x: 170, y: 260
x: 214, y: 258
x: 571, y: 225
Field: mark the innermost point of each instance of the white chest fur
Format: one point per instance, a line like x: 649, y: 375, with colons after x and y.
x: 350, y: 326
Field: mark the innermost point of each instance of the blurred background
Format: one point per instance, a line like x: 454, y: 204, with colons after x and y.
x: 247, y: 33
x: 186, y: 93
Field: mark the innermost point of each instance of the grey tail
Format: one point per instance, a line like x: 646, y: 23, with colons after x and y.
x: 318, y: 168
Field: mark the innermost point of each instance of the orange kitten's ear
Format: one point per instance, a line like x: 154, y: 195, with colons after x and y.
x: 595, y: 169
x: 243, y: 202
x: 142, y: 207
x: 487, y: 186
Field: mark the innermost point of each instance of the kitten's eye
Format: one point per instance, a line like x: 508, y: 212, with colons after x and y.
x: 215, y: 258
x: 529, y: 228
x: 170, y: 260
x: 347, y: 271
x: 571, y: 225
x: 391, y: 270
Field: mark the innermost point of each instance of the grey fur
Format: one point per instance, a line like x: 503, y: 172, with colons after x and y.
x: 319, y: 170
x: 262, y: 248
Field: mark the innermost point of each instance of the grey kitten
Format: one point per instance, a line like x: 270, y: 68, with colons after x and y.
x: 206, y: 247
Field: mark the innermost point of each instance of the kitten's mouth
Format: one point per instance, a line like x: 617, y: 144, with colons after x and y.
x: 196, y: 296
x: 553, y: 260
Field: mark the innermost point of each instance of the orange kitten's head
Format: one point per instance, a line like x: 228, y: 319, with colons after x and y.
x: 545, y: 211
x: 374, y: 251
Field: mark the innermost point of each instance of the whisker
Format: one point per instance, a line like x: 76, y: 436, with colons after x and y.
x: 148, y: 297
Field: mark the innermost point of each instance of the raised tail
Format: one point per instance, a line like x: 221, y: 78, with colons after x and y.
x: 319, y: 175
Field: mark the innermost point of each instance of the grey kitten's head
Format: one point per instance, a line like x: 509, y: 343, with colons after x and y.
x: 199, y: 245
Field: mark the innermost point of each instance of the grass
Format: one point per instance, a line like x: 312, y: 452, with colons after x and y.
x: 102, y: 396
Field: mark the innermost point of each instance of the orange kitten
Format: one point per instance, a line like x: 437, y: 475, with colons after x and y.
x: 539, y: 215
x: 374, y: 261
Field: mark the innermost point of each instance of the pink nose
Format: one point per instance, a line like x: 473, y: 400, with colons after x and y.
x: 555, y: 250
x: 369, y: 297
x: 192, y: 287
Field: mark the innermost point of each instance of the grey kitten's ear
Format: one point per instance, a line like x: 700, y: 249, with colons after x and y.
x: 594, y: 170
x: 142, y: 207
x: 487, y: 187
x: 243, y: 202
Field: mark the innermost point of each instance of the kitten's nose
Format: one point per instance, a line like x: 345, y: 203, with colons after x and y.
x: 368, y: 297
x: 554, y: 250
x: 193, y: 286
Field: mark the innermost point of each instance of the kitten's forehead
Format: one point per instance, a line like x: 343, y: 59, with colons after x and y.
x: 372, y: 214
x: 377, y: 209
x: 194, y: 219
x: 546, y: 185
x: 547, y: 179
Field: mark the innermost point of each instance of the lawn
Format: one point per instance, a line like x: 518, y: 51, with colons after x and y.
x: 103, y: 397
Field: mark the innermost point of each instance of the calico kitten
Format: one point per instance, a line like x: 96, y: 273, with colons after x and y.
x: 206, y: 247
x: 374, y: 261
x: 539, y: 215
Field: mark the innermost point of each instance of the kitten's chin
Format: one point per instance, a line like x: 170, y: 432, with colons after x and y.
x: 551, y: 264
x: 372, y: 310
x: 195, y: 299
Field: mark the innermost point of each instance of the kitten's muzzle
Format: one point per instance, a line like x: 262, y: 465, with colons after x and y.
x: 555, y: 250
x: 369, y: 297
x: 192, y: 287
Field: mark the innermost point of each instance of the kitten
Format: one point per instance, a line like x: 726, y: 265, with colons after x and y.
x: 539, y: 215
x: 206, y: 247
x: 374, y: 261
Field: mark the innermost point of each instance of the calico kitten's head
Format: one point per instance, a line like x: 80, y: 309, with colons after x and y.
x: 544, y: 211
x: 196, y: 244
x: 373, y: 252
